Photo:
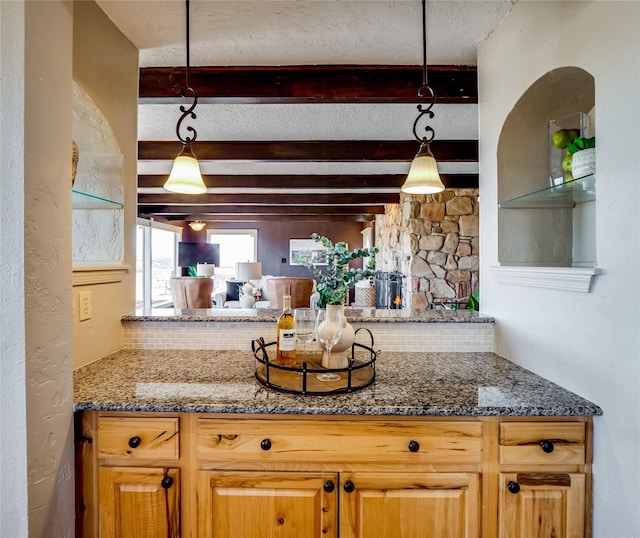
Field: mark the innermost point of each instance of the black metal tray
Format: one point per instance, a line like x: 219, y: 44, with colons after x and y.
x: 300, y: 378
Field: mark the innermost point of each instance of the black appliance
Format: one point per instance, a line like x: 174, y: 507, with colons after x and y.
x: 191, y: 254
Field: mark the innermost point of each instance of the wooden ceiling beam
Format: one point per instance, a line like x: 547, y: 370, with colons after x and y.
x: 346, y: 181
x: 310, y: 84
x: 335, y: 199
x: 312, y: 150
x: 258, y: 218
x: 204, y: 212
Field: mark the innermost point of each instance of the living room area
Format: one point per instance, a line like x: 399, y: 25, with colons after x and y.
x: 247, y: 252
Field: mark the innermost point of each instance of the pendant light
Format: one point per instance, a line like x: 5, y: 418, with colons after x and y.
x: 185, y: 177
x: 197, y: 225
x: 423, y: 175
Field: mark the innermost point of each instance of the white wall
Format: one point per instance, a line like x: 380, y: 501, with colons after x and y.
x: 587, y: 342
x: 35, y: 259
x: 13, y: 420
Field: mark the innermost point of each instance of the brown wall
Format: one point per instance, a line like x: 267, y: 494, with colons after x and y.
x: 273, y: 240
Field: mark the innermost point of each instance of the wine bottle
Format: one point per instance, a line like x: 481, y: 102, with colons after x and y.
x: 286, y: 337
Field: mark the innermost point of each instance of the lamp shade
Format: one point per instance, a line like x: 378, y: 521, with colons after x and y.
x: 185, y: 177
x: 246, y: 271
x: 205, y: 269
x: 423, y: 175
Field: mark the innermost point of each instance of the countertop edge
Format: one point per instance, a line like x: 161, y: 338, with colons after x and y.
x: 268, y: 316
x: 579, y: 411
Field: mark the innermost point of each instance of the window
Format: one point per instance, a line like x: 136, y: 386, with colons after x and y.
x: 156, y: 262
x: 235, y: 246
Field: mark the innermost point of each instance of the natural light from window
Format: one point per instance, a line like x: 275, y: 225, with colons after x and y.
x: 235, y: 246
x: 156, y: 253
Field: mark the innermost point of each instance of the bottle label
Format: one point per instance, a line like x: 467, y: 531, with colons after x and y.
x: 287, y: 340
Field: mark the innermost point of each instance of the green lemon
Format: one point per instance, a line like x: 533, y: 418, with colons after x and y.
x: 562, y: 137
x: 566, y: 162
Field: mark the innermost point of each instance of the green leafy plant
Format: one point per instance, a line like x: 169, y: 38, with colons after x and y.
x: 580, y: 143
x: 335, y: 282
x: 474, y: 300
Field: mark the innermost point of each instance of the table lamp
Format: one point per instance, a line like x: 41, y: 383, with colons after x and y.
x: 246, y: 271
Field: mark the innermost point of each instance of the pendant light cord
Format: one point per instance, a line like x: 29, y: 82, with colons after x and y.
x: 425, y: 90
x: 424, y: 43
x: 188, y: 47
x: 188, y: 112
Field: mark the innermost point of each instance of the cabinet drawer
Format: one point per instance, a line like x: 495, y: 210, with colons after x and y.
x: 324, y: 441
x: 138, y: 438
x: 542, y: 442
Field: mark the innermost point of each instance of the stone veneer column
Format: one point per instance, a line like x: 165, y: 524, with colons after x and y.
x: 433, y: 241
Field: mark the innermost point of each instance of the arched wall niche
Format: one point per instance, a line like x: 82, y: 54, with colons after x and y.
x: 97, y: 235
x: 542, y: 237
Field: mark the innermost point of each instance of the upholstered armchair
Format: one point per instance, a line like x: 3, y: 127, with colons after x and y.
x: 191, y: 292
x: 302, y: 291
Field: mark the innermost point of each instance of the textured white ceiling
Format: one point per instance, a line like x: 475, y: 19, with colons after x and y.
x: 240, y: 32
x: 305, y: 32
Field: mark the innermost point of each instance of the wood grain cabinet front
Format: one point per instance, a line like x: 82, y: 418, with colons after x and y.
x: 409, y: 505
x: 192, y: 475
x: 544, y: 479
x: 138, y: 438
x: 267, y: 504
x: 542, y: 504
x: 139, y: 502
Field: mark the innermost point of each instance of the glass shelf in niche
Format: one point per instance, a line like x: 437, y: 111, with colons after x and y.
x: 83, y: 200
x: 565, y: 195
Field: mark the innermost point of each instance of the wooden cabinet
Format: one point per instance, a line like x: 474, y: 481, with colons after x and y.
x: 267, y: 504
x: 544, y: 480
x: 410, y: 505
x: 285, y: 476
x: 139, y: 502
x: 132, y: 464
x: 542, y: 504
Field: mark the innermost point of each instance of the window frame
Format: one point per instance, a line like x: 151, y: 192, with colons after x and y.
x: 148, y: 226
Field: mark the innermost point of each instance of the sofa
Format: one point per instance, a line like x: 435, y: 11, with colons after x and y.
x: 303, y: 293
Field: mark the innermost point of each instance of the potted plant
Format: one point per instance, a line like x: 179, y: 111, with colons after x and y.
x: 333, y: 285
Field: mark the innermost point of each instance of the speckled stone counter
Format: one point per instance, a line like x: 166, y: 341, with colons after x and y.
x: 368, y: 315
x: 426, y: 384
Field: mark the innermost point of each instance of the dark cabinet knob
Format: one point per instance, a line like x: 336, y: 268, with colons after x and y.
x: 135, y: 441
x: 349, y: 486
x: 547, y: 446
x: 414, y: 446
x: 329, y: 486
x: 513, y: 487
x: 265, y: 444
x: 167, y: 482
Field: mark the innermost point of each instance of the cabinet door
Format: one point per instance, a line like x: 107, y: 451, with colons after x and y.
x: 409, y: 505
x: 138, y: 502
x: 267, y: 504
x: 533, y: 505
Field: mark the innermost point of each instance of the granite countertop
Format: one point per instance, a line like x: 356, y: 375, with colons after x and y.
x: 445, y: 384
x: 353, y: 315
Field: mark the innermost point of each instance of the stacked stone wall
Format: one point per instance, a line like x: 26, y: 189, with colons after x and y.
x: 433, y: 240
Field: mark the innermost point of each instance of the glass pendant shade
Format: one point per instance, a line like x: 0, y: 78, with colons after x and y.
x: 185, y: 177
x: 423, y: 175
